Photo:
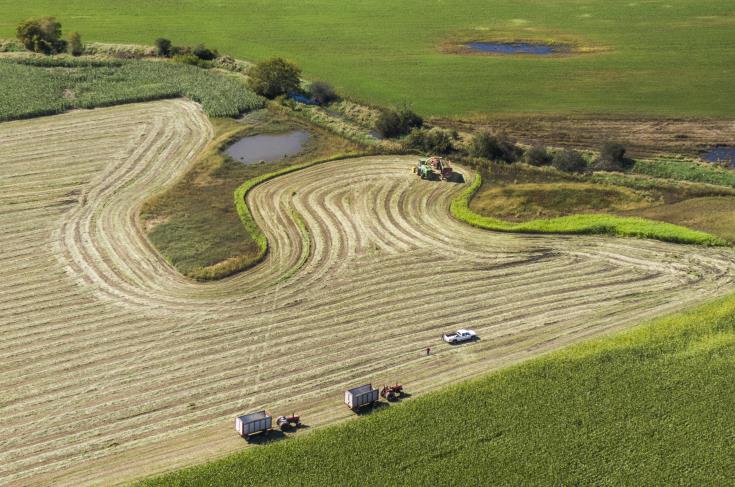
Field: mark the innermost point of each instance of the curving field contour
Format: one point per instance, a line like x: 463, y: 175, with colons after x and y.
x: 113, y: 366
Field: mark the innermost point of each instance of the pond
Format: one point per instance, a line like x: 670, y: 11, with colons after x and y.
x: 515, y: 48
x: 268, y: 147
x: 721, y: 155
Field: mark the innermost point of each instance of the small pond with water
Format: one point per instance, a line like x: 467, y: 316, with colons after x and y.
x: 268, y: 147
x: 720, y: 155
x: 515, y: 48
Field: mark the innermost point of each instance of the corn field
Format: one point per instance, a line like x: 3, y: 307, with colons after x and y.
x: 33, y: 87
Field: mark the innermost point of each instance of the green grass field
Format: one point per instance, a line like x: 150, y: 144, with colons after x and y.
x: 662, y: 57
x: 652, y: 406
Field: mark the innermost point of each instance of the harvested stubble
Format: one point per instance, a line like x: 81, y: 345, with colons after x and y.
x: 137, y: 367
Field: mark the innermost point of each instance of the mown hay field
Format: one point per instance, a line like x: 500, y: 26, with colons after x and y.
x: 646, y: 407
x: 135, y: 369
x: 655, y: 57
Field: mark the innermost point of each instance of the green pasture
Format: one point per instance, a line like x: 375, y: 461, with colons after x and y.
x: 659, y: 57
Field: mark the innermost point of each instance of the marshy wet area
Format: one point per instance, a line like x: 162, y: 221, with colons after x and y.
x: 516, y: 48
x: 268, y: 147
x: 724, y: 155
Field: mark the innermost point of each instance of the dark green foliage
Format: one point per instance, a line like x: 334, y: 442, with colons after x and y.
x: 652, y: 406
x: 163, y: 47
x: 322, y: 92
x: 41, y: 35
x: 537, y: 155
x: 496, y: 147
x: 394, y: 123
x: 66, y: 83
x: 274, y: 77
x: 75, y: 44
x: 569, y: 161
x: 204, y: 53
x: 612, y: 158
x: 431, y: 141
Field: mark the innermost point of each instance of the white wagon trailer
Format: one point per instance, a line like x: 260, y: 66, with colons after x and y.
x: 361, y: 396
x: 252, y: 423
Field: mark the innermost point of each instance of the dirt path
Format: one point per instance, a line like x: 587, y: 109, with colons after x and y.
x: 113, y: 366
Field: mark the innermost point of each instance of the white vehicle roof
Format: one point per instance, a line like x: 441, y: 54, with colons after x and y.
x: 463, y: 331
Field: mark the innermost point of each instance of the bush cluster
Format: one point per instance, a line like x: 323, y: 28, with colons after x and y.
x: 612, y: 158
x: 164, y: 48
x: 394, y: 123
x: 569, y: 160
x: 496, y: 147
x: 430, y: 141
x: 537, y: 155
x: 322, y: 93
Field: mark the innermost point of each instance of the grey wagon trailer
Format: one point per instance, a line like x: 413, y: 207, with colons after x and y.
x: 250, y: 424
x: 361, y: 396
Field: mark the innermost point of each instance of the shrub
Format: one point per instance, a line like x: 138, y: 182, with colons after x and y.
x: 394, y: 123
x: 41, y: 35
x: 494, y: 147
x: 204, y: 53
x: 163, y: 47
x: 612, y: 158
x: 433, y: 141
x: 569, y: 161
x: 322, y: 92
x: 76, y: 48
x: 191, y: 59
x: 537, y: 155
x: 274, y: 77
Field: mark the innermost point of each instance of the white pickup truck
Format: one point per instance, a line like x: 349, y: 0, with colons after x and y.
x: 460, y: 336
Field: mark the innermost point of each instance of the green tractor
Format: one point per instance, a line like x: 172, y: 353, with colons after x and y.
x: 424, y: 169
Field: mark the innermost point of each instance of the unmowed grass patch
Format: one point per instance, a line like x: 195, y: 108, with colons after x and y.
x: 34, y: 86
x: 581, y: 224
x: 685, y: 170
x: 651, y: 406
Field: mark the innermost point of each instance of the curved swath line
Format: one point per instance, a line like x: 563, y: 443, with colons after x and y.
x: 388, y: 269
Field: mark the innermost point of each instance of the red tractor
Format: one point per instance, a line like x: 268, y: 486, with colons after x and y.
x: 392, y: 393
x: 288, y: 422
x: 442, y: 167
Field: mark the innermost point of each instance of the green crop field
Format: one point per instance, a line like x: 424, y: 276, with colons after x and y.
x: 648, y: 407
x: 38, y: 86
x: 659, y: 56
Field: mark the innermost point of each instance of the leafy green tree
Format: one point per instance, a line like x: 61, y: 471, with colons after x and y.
x: 42, y: 35
x: 75, y: 44
x: 274, y: 77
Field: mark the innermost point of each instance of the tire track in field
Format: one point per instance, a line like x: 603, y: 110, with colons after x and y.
x: 105, y: 341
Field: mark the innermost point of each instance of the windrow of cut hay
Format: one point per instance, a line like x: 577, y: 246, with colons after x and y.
x: 647, y: 407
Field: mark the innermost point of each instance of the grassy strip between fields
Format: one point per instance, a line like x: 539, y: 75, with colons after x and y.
x: 582, y: 224
x: 651, y: 406
x: 244, y: 211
